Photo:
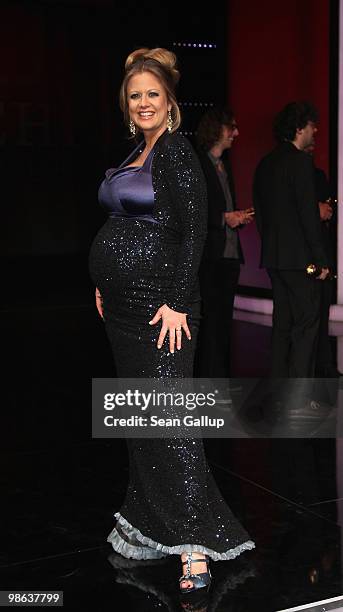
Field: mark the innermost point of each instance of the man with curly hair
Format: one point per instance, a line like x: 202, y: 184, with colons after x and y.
x: 288, y: 220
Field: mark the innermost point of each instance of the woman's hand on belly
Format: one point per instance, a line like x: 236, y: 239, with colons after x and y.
x: 173, y: 323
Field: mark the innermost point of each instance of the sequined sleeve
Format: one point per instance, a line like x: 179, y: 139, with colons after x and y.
x: 188, y: 188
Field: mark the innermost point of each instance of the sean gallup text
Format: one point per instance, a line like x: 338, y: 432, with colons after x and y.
x: 155, y: 421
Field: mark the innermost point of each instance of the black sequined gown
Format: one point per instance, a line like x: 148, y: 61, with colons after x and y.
x: 147, y: 254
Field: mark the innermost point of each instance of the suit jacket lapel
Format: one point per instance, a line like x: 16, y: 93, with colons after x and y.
x: 215, y: 189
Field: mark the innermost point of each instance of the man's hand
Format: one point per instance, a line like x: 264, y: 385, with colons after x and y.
x: 324, y: 273
x: 239, y: 217
x: 325, y: 211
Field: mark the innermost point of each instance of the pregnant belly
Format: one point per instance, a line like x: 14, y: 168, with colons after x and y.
x: 132, y: 263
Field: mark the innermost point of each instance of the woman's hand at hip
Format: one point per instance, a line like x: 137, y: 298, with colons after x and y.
x: 173, y: 323
x: 98, y: 302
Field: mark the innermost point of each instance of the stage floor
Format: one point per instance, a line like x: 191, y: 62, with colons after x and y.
x: 61, y: 488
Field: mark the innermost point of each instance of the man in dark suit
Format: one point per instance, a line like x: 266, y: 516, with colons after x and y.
x: 219, y: 270
x: 288, y: 220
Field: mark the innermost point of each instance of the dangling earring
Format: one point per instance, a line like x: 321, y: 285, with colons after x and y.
x: 132, y: 128
x: 170, y: 122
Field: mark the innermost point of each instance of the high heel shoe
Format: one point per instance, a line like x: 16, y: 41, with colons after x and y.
x: 200, y: 581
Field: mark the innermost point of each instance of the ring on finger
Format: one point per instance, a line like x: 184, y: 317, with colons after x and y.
x: 178, y: 329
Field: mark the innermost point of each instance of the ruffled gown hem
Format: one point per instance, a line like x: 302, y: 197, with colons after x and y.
x: 146, y: 548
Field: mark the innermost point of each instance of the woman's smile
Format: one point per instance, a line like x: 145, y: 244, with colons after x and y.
x: 147, y: 102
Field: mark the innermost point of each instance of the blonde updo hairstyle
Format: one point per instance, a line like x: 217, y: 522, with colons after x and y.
x: 162, y: 64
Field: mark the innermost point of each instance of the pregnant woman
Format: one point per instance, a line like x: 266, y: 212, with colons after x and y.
x: 144, y: 262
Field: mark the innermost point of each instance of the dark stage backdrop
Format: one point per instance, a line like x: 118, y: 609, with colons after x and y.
x: 60, y: 127
x: 277, y: 52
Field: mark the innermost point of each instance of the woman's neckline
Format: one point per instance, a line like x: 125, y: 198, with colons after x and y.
x: 141, y: 166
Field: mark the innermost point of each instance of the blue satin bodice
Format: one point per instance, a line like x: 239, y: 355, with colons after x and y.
x: 128, y: 191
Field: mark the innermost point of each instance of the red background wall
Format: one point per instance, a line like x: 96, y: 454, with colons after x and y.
x: 277, y: 52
